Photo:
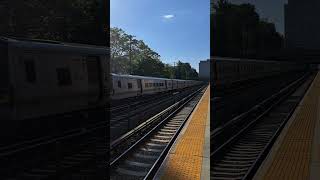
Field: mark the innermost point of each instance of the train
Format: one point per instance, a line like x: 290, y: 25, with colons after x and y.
x: 125, y: 86
x: 44, y: 78
x: 227, y: 71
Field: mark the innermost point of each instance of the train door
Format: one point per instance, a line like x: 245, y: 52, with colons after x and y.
x: 4, y: 73
x: 94, y: 79
x: 5, y: 92
x: 139, y: 86
x: 166, y: 84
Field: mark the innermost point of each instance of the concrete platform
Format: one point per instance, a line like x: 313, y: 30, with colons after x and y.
x: 296, y: 153
x: 189, y: 157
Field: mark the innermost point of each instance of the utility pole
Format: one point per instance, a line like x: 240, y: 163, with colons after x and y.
x: 185, y: 71
x: 130, y: 58
x: 174, y: 70
x: 130, y: 61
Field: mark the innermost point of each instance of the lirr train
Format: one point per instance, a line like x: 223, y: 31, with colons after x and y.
x: 226, y: 71
x: 43, y: 78
x: 125, y: 86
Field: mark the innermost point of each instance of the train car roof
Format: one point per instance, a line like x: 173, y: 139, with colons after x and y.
x: 137, y: 76
x: 145, y: 77
x: 248, y: 60
x: 55, y: 46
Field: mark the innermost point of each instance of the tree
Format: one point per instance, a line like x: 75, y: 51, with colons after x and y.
x: 77, y: 21
x: 132, y: 56
x: 238, y: 31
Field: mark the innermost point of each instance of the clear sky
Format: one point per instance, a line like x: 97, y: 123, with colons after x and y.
x: 273, y: 10
x: 177, y: 30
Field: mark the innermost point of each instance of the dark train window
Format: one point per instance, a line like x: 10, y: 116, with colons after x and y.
x: 64, y: 76
x: 4, y: 69
x: 129, y: 85
x: 146, y: 84
x: 139, y: 84
x: 93, y: 68
x: 119, y: 84
x: 30, y: 71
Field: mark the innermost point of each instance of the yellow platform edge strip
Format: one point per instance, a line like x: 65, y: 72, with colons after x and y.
x: 185, y: 161
x: 292, y: 153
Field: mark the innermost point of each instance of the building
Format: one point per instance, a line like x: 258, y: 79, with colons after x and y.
x: 204, y: 70
x: 302, y: 26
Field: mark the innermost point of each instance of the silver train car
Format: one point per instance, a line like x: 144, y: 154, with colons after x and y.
x: 125, y: 86
x: 226, y: 71
x: 42, y: 78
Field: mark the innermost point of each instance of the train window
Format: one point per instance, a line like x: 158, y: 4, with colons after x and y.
x: 4, y: 72
x: 119, y: 84
x: 146, y: 84
x: 93, y: 68
x: 64, y: 76
x: 129, y: 85
x: 30, y: 70
x: 139, y: 83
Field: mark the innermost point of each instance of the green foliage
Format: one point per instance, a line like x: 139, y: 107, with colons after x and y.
x: 77, y: 21
x: 238, y: 31
x: 132, y: 56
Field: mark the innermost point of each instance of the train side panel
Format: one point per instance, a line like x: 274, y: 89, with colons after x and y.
x: 48, y: 83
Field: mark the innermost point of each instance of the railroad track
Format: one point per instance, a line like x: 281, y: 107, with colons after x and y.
x: 131, y: 117
x: 74, y: 155
x: 118, y: 106
x: 225, y: 108
x: 240, y: 155
x: 142, y: 159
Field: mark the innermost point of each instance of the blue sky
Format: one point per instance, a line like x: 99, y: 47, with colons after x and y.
x: 176, y: 29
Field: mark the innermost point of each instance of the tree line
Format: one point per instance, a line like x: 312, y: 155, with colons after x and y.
x: 78, y: 21
x: 132, y: 56
x: 238, y: 31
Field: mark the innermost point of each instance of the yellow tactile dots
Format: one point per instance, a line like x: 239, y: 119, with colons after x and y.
x: 185, y: 161
x: 292, y: 159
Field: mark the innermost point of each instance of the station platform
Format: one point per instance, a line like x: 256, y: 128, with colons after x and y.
x: 296, y: 152
x: 189, y: 157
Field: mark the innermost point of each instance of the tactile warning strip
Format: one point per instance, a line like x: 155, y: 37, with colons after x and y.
x: 185, y: 162
x: 292, y: 159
